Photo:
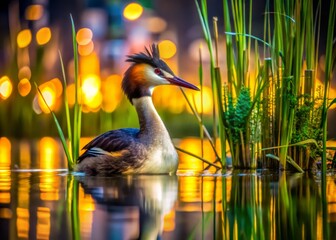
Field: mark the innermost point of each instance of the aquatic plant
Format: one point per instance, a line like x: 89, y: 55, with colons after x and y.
x: 272, y: 107
x: 74, y: 129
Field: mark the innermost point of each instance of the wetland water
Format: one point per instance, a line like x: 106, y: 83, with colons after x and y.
x: 37, y: 204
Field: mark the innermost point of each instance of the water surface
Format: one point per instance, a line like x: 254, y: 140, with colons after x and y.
x: 40, y: 204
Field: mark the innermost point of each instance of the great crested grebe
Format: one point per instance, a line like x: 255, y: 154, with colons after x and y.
x: 148, y: 150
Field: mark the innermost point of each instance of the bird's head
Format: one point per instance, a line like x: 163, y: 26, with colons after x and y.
x: 147, y: 72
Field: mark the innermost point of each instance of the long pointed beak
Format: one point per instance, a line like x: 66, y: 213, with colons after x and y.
x: 180, y: 82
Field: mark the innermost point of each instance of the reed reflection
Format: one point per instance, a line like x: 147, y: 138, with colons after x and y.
x: 130, y: 207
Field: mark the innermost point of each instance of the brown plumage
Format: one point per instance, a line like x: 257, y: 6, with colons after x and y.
x: 147, y: 150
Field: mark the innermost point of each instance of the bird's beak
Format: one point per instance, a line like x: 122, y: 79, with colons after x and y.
x: 180, y: 82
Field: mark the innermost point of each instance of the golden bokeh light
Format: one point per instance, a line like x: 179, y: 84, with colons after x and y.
x: 5, y: 153
x: 49, y: 154
x: 89, y: 65
x: 112, y: 94
x: 90, y: 87
x: 207, y: 100
x: 24, y: 38
x: 84, y: 36
x: 57, y: 86
x: 49, y: 95
x: 43, y: 36
x: 6, y: 87
x: 71, y: 94
x: 85, y: 50
x: 24, y: 87
x: 167, y: 49
x: 24, y: 72
x: 34, y: 12
x: 156, y: 24
x: 133, y: 11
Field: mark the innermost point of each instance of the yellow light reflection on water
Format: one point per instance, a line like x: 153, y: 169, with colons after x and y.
x: 6, y: 87
x: 167, y: 49
x: 133, y: 11
x: 5, y: 186
x: 43, y: 223
x: 169, y: 221
x: 84, y: 36
x: 24, y: 87
x: 86, y: 208
x: 6, y: 213
x: 43, y: 36
x: 194, y: 145
x: 34, y: 12
x: 23, y: 191
x: 22, y: 222
x: 5, y: 153
x: 49, y: 154
x: 24, y: 38
x: 49, y: 186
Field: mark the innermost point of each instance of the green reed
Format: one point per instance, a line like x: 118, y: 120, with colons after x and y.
x: 74, y: 129
x: 274, y: 108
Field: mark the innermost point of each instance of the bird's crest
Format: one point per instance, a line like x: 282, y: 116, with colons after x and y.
x: 151, y: 57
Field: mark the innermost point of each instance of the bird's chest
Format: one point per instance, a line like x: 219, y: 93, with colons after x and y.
x: 161, y: 156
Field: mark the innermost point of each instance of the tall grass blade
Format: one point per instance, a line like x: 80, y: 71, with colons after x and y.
x: 77, y: 106
x: 66, y: 104
x: 59, y: 130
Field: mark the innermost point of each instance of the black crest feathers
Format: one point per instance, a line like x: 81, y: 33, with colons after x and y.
x: 151, y: 57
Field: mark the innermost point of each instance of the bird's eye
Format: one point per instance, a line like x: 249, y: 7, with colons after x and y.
x: 158, y: 72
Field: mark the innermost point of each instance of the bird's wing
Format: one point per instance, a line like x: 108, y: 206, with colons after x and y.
x: 111, y: 141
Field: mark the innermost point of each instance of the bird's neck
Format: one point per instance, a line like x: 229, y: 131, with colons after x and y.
x: 149, y: 120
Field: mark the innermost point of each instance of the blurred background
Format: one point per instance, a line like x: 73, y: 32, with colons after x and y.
x: 33, y: 31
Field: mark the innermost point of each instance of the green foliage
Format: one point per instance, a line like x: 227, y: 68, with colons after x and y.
x: 237, y: 114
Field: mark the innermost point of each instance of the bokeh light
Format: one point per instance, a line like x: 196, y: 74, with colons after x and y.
x: 43, y: 36
x: 133, y: 11
x: 85, y: 50
x: 49, y: 96
x: 167, y: 49
x: 84, y: 36
x: 90, y: 88
x: 24, y: 87
x: 6, y: 87
x: 34, y: 12
x: 156, y: 24
x: 5, y: 153
x: 24, y: 38
x: 24, y: 72
x: 207, y: 100
x: 112, y: 94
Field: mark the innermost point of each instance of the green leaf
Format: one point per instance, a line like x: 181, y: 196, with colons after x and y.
x: 59, y: 130
x: 332, y: 103
x: 308, y: 141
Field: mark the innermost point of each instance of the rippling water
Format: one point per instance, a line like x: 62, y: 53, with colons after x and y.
x: 40, y: 204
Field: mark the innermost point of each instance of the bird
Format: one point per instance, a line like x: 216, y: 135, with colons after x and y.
x: 149, y: 149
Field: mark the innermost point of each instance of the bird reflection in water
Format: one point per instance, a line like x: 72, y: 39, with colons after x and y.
x: 130, y: 207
